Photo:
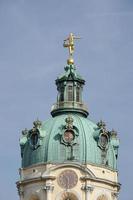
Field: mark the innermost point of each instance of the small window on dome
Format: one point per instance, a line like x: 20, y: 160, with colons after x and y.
x: 34, y: 139
x: 103, y: 140
x: 70, y: 93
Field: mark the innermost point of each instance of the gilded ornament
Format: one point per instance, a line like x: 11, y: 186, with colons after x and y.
x: 69, y: 43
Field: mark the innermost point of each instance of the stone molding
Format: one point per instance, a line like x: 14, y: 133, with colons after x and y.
x: 33, y: 180
x: 73, y: 165
x: 100, y: 180
x: 58, y: 163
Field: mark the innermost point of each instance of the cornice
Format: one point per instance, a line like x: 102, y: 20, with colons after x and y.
x: 38, y: 179
x: 100, y: 180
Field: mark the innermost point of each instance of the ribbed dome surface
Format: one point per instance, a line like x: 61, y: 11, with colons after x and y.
x: 69, y: 135
x: 51, y: 146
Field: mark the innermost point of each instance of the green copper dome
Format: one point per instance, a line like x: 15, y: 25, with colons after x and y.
x: 69, y: 136
x: 66, y: 138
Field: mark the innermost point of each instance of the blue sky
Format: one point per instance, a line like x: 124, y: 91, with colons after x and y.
x: 32, y: 56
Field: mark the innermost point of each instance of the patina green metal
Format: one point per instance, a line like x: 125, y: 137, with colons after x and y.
x: 52, y: 150
x: 69, y: 136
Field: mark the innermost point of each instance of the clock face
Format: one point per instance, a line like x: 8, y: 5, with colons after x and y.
x: 67, y: 179
x: 68, y: 136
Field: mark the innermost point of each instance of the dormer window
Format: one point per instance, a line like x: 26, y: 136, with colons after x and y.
x: 34, y: 139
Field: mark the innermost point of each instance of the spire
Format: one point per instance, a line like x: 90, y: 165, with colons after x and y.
x: 70, y: 86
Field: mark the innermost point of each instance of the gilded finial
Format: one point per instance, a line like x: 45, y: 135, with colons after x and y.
x: 69, y: 43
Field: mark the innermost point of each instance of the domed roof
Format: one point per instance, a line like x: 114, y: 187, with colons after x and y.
x: 68, y: 137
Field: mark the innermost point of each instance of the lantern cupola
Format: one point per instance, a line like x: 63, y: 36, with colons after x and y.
x: 70, y: 86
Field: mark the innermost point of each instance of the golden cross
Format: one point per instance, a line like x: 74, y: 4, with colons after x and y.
x: 69, y: 43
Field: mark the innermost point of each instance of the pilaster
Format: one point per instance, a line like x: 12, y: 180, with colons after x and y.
x: 88, y: 189
x: 48, y: 188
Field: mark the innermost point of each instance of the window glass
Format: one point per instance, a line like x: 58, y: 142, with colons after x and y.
x: 103, y: 141
x: 77, y: 94
x: 62, y: 94
x: 34, y: 139
x: 70, y: 93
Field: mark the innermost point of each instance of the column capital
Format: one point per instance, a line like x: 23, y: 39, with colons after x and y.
x: 114, y: 194
x: 48, y: 187
x: 87, y: 188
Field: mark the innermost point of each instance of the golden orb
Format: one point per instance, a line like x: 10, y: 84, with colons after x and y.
x: 70, y: 61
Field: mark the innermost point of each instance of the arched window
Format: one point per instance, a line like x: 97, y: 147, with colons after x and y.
x: 68, y: 196
x: 102, y: 197
x: 78, y: 94
x: 103, y: 140
x: 70, y: 93
x: 34, y: 197
x: 34, y: 139
x: 62, y: 94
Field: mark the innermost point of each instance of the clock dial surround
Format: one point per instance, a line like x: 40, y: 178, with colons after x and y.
x: 67, y: 179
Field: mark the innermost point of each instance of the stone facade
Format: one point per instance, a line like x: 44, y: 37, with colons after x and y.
x: 41, y: 182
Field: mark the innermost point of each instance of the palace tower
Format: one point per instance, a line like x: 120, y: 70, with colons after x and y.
x: 69, y: 157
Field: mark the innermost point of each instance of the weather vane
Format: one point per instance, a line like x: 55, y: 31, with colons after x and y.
x: 69, y: 43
